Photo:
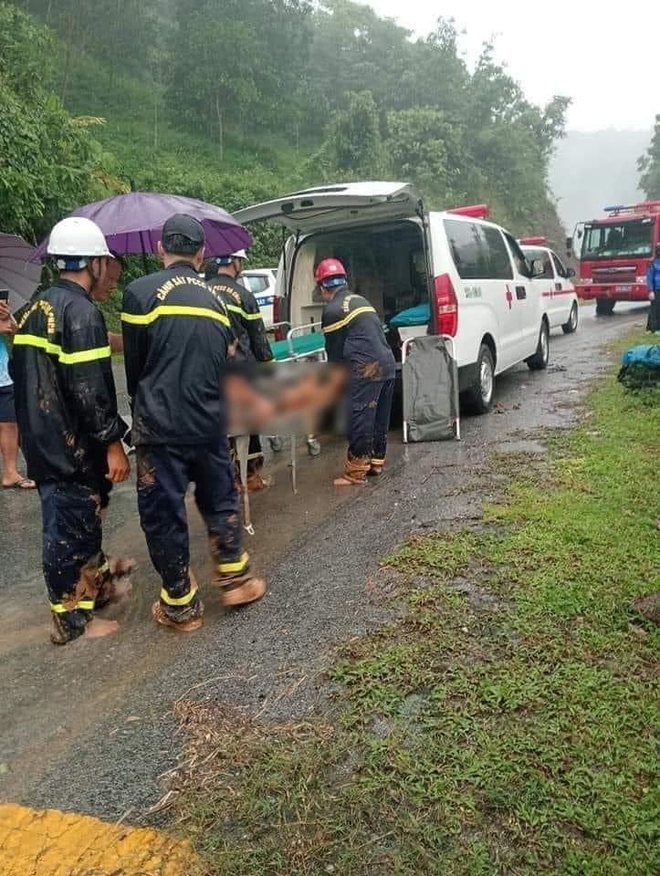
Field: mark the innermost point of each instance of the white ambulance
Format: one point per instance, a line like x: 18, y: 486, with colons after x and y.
x: 451, y: 273
x: 554, y: 280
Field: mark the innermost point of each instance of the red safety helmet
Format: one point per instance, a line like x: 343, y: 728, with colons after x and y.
x: 329, y: 268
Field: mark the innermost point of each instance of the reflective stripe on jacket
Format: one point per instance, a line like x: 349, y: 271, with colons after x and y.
x: 66, y: 403
x: 354, y: 335
x: 247, y: 321
x: 176, y: 340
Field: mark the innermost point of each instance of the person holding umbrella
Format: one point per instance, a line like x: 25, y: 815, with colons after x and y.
x: 222, y: 274
x: 72, y: 433
x: 177, y: 339
x: 11, y: 478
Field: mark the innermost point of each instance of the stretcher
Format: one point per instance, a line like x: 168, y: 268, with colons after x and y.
x: 303, y: 342
x: 451, y: 350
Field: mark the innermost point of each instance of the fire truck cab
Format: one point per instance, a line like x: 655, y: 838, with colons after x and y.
x: 614, y: 252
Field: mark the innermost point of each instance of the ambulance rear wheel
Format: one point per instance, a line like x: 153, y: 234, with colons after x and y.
x: 571, y: 326
x: 604, y: 307
x: 479, y: 397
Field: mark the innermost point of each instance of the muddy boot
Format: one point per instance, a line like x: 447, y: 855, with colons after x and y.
x: 115, y: 581
x: 242, y: 589
x: 355, y: 472
x: 69, y: 626
x: 376, y: 468
x: 182, y: 618
x: 187, y: 622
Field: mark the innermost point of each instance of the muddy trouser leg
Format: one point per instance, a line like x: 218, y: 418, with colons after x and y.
x: 164, y: 473
x: 362, y: 406
x: 217, y: 499
x: 71, y: 554
x: 382, y: 426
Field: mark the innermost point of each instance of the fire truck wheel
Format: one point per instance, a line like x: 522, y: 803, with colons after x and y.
x: 569, y: 327
x: 604, y: 307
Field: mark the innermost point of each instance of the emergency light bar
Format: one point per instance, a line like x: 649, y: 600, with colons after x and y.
x: 533, y: 241
x: 644, y: 207
x: 476, y: 211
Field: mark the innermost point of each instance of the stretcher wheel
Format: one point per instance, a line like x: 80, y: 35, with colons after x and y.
x: 276, y: 443
x: 313, y: 447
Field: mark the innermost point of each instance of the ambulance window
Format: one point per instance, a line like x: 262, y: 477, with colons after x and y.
x: 468, y: 249
x: 499, y: 261
x: 559, y: 266
x: 521, y: 264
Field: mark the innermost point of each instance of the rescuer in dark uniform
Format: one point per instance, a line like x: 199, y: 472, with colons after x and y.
x: 653, y: 282
x: 222, y: 275
x: 354, y: 336
x: 177, y: 336
x: 67, y: 414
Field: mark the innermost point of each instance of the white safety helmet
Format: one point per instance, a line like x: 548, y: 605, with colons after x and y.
x: 240, y: 254
x: 77, y: 237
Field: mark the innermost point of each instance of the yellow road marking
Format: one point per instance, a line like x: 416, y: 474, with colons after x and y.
x: 47, y: 842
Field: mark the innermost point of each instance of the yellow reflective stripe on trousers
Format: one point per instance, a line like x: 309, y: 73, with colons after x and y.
x: 174, y: 310
x: 80, y: 356
x: 105, y: 567
x: 83, y: 605
x: 243, y: 313
x: 178, y: 600
x: 376, y: 461
x: 235, y: 565
x: 351, y: 316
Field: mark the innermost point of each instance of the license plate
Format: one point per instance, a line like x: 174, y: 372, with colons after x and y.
x: 623, y: 289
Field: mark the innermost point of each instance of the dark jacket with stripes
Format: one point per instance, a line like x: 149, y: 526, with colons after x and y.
x: 354, y: 335
x: 66, y: 404
x: 176, y: 340
x: 247, y: 321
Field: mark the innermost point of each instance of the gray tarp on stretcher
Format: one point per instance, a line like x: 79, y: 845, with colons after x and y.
x: 429, y: 390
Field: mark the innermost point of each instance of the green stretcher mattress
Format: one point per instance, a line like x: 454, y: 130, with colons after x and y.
x: 305, y: 345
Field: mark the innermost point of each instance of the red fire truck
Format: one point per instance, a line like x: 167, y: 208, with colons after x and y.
x: 614, y: 253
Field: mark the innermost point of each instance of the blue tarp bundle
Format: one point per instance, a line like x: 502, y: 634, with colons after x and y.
x: 640, y: 367
x: 418, y: 315
x: 644, y: 354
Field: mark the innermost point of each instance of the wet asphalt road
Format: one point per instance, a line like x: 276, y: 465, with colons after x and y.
x: 89, y: 727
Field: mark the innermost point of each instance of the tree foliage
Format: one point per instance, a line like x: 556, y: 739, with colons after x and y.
x: 49, y: 163
x: 240, y: 100
x: 649, y: 165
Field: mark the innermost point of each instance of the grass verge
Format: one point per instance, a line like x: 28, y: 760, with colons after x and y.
x: 506, y: 725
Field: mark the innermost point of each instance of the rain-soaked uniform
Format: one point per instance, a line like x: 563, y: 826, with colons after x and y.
x: 250, y: 332
x: 354, y: 336
x: 66, y: 409
x: 176, y: 340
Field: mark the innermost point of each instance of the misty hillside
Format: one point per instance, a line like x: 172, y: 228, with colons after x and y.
x: 591, y: 170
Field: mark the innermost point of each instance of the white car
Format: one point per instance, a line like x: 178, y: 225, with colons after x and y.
x: 262, y: 282
x: 449, y: 273
x: 554, y: 278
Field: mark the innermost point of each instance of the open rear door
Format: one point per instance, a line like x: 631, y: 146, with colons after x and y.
x: 336, y: 206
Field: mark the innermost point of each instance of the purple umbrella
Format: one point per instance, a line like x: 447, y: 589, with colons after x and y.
x: 132, y: 223
x: 18, y: 273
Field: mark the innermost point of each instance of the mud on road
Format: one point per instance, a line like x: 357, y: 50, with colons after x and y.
x: 89, y: 727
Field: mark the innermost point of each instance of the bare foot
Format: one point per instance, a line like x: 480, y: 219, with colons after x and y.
x: 98, y: 628
x: 344, y: 482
